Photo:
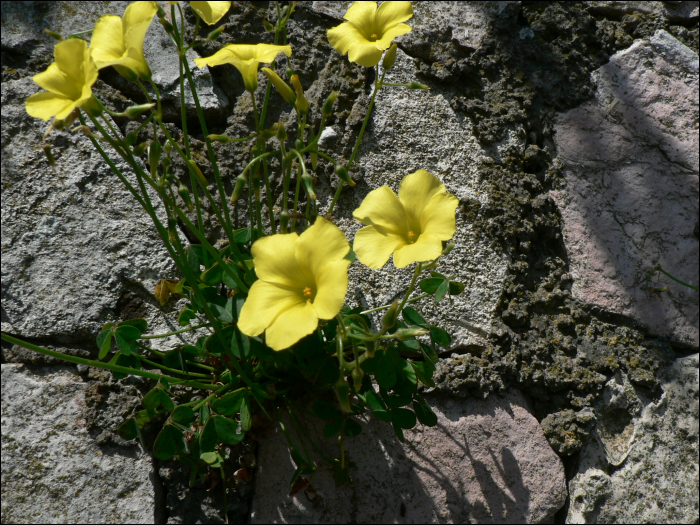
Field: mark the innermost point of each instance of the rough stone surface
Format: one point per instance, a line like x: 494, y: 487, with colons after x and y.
x: 52, y: 469
x: 631, y: 196
x: 655, y: 444
x: 485, y: 462
x: 674, y: 10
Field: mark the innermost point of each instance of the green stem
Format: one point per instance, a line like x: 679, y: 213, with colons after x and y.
x: 416, y: 273
x: 188, y: 329
x: 389, y: 306
x: 171, y: 370
x: 104, y: 366
x: 658, y: 267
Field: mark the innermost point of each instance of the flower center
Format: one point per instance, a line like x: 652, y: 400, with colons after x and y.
x: 411, y: 237
x: 374, y: 37
x: 307, y: 293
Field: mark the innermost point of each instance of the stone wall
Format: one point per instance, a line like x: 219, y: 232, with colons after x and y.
x: 569, y: 132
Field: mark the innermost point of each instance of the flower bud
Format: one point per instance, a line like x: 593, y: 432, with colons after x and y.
x: 280, y: 85
x: 342, y: 173
x: 342, y: 392
x: 389, y: 318
x: 161, y: 11
x: 215, y: 34
x: 224, y: 139
x: 281, y: 132
x: 407, y: 333
x: 85, y: 130
x: 135, y: 111
x: 168, y: 148
x: 357, y: 375
x: 448, y: 248
x: 172, y: 230
x: 390, y: 57
x: 238, y: 188
x: 167, y: 25
x: 185, y: 194
x: 416, y: 85
x: 308, y: 183
x: 268, y: 26
x: 131, y: 138
x: 166, y: 163
x: 154, y: 157
x: 140, y: 149
x: 49, y: 156
x: 301, y: 103
x: 299, y: 145
x: 314, y: 159
x: 327, y: 108
x: 195, y: 169
x: 53, y: 34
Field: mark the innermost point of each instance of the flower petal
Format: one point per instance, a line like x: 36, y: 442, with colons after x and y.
x: 331, y: 288
x: 390, y: 14
x: 211, y: 12
x: 415, y: 192
x: 381, y: 207
x: 54, y: 80
x: 137, y: 18
x: 45, y: 105
x: 362, y: 14
x: 107, y: 42
x: 71, y: 58
x: 391, y: 34
x: 373, y: 246
x: 347, y: 38
x: 265, y: 302
x: 321, y: 244
x: 291, y: 325
x: 426, y: 248
x: 438, y: 217
x: 276, y: 262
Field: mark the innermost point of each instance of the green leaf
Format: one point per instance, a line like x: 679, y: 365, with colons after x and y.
x: 384, y: 415
x: 352, y: 428
x: 127, y: 347
x: 177, y: 357
x: 208, y: 438
x: 213, y: 459
x: 386, y: 371
x: 424, y: 372
x: 240, y: 345
x: 437, y: 274
x: 182, y: 415
x: 333, y: 427
x: 165, y: 400
x: 325, y: 410
x: 441, y: 291
x: 104, y: 341
x: 127, y: 361
x: 424, y: 412
x: 374, y: 401
x: 413, y: 318
x: 169, y: 441
x: 213, y: 275
x: 228, y: 280
x: 351, y: 256
x: 227, y: 430
x: 140, y: 324
x: 246, y: 416
x: 151, y: 400
x: 192, y: 260
x: 228, y: 404
x: 185, y: 316
x: 398, y: 432
x: 395, y: 400
x: 213, y: 342
x: 144, y: 416
x: 128, y: 332
x: 403, y: 417
x: 241, y: 236
x: 431, y: 285
x: 456, y: 288
x: 440, y: 336
x: 129, y: 429
x: 221, y: 312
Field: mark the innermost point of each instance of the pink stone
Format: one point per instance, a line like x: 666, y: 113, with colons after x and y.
x: 631, y: 196
x: 487, y: 461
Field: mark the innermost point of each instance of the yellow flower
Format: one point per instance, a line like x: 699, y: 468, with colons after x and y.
x: 210, y: 12
x: 68, y: 81
x: 118, y: 41
x: 369, y: 31
x: 301, y: 279
x: 246, y: 58
x: 412, y: 226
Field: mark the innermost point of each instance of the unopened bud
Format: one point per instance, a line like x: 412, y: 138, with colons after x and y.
x: 301, y: 103
x: 327, y: 108
x: 281, y: 131
x: 168, y: 148
x: 172, y: 230
x: 131, y: 138
x: 241, y: 181
x: 161, y: 11
x: 357, y: 375
x: 308, y: 182
x: 448, y: 248
x: 195, y: 169
x: 342, y: 392
x: 185, y: 194
x: 224, y: 139
x: 166, y: 163
x: 215, y: 34
x: 314, y: 159
x: 390, y: 57
x: 342, y: 173
x: 280, y: 85
x: 416, y: 85
x: 135, y: 111
x: 268, y: 26
x: 140, y: 149
x: 299, y: 145
x: 407, y: 333
x: 389, y: 318
x: 154, y: 151
x: 49, y: 156
x: 53, y: 34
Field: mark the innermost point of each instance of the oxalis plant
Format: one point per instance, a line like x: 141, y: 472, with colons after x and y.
x: 267, y: 307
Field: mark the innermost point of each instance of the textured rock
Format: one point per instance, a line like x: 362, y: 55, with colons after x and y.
x: 485, y: 462
x: 631, y: 194
x: 656, y: 445
x: 52, y: 470
x: 676, y: 11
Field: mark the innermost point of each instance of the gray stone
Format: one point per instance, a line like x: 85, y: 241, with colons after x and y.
x: 631, y: 195
x: 52, y: 470
x: 675, y: 11
x: 486, y: 461
x: 655, y: 444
